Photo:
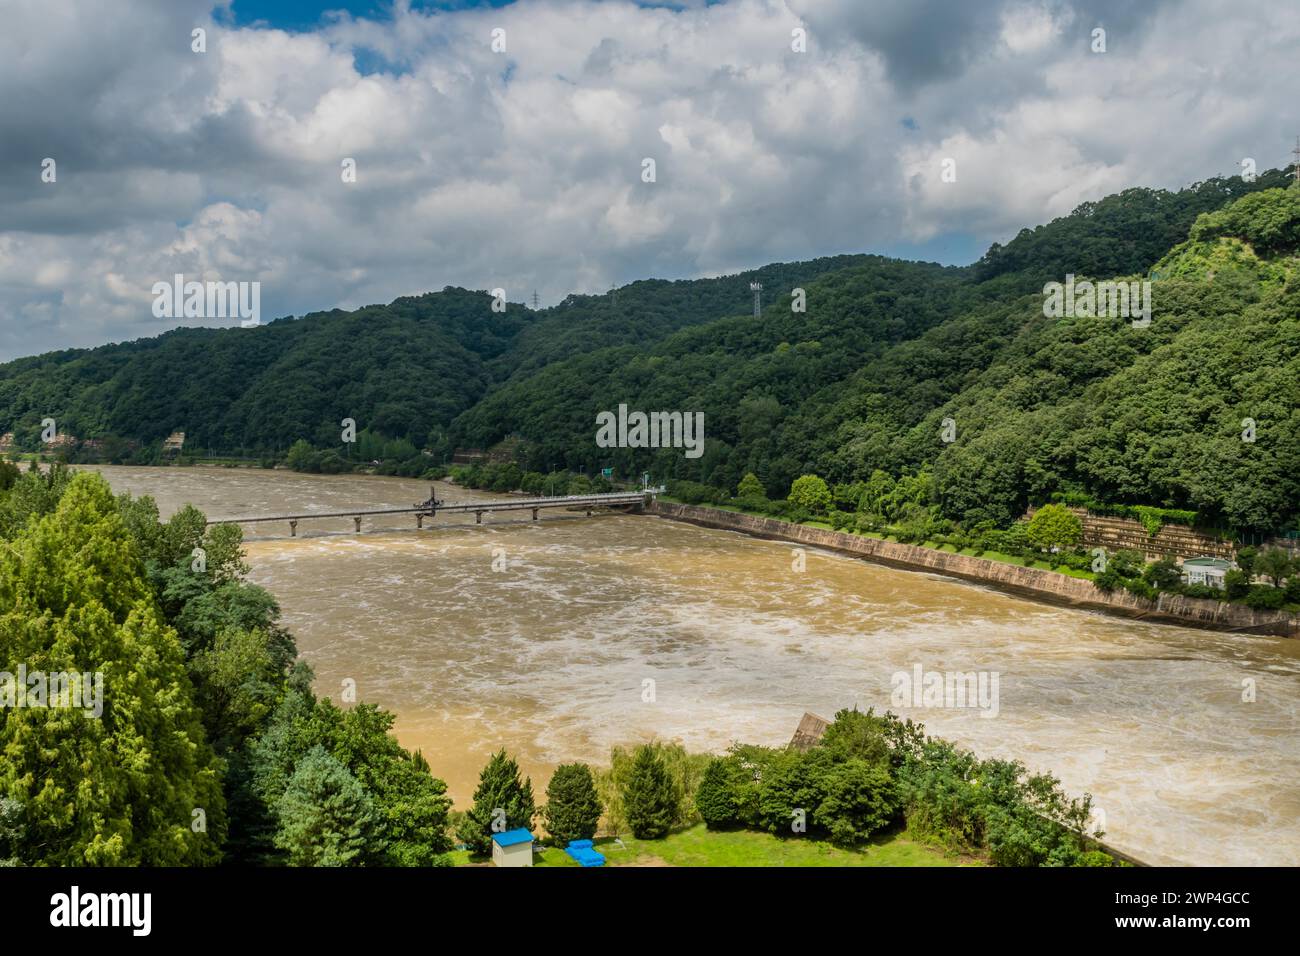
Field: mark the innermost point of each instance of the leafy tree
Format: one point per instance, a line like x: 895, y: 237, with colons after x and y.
x: 1163, y: 575
x: 1055, y: 526
x: 326, y: 818
x: 650, y: 799
x: 572, y: 809
x: 73, y: 598
x: 811, y: 492
x: 1275, y: 564
x: 502, y: 801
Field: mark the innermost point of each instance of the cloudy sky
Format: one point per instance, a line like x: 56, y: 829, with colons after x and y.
x: 523, y: 168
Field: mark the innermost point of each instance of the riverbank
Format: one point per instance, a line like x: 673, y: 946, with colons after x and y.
x: 1037, y: 583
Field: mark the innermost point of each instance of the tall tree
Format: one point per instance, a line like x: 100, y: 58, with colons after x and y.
x: 650, y: 800
x: 136, y: 784
x: 326, y: 818
x: 502, y: 801
x: 572, y: 809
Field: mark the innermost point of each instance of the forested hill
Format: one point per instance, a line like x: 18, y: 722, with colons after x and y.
x: 857, y: 383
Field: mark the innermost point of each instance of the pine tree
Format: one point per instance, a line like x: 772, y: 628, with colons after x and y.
x: 326, y: 818
x: 502, y: 801
x: 572, y: 810
x: 650, y: 800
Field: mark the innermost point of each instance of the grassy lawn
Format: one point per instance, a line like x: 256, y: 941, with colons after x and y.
x: 699, y: 846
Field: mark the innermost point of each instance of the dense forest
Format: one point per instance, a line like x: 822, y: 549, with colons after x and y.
x: 854, y: 375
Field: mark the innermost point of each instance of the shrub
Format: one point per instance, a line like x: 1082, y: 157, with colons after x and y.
x: 718, y: 797
x: 1265, y: 597
x: 858, y: 798
x: 1109, y: 579
x: 1141, y: 588
x: 1236, y: 584
x: 750, y: 487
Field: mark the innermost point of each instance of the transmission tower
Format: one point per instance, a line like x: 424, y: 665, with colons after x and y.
x: 757, y: 289
x: 1296, y: 153
x: 534, y: 300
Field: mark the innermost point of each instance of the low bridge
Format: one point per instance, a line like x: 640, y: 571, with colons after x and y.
x: 431, y: 507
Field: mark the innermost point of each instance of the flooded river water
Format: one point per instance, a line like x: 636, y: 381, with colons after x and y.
x: 542, y: 637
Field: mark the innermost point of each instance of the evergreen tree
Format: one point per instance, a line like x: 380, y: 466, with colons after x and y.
x: 121, y: 787
x: 325, y: 816
x: 572, y: 809
x: 717, y: 798
x: 650, y: 801
x: 502, y: 801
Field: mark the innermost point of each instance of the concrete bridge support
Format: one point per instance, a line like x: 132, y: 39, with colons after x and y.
x: 357, y: 524
x: 293, y: 528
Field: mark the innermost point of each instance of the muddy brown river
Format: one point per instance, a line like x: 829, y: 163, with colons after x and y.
x: 561, y: 638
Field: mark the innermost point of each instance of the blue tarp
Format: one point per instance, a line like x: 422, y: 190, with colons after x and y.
x: 581, y: 851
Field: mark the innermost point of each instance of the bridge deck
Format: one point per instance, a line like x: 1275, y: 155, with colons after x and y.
x: 464, y: 507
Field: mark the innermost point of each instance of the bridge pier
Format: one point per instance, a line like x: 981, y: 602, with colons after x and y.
x: 478, y: 517
x: 535, y: 514
x: 357, y: 523
x: 293, y: 528
x: 419, y: 522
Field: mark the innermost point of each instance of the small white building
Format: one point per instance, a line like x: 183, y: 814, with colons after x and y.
x: 1211, y: 571
x: 512, y: 848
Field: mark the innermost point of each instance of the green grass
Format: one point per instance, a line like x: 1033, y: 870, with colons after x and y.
x: 699, y: 846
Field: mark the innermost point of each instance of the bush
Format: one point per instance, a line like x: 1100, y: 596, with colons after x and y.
x: 1109, y: 579
x: 694, y: 493
x: 1265, y: 597
x: 750, y: 487
x: 839, y: 520
x: 1236, y: 584
x: 1141, y: 588
x: 718, y: 797
x: 858, y: 799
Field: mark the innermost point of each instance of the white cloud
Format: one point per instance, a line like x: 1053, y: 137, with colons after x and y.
x: 524, y: 169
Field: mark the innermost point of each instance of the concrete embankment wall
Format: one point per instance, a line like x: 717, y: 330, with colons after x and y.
x: 1032, y: 582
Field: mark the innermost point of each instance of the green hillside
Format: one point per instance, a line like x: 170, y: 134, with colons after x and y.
x: 858, y: 383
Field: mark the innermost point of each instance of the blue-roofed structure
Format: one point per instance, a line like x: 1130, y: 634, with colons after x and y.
x: 513, y: 848
x: 511, y: 837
